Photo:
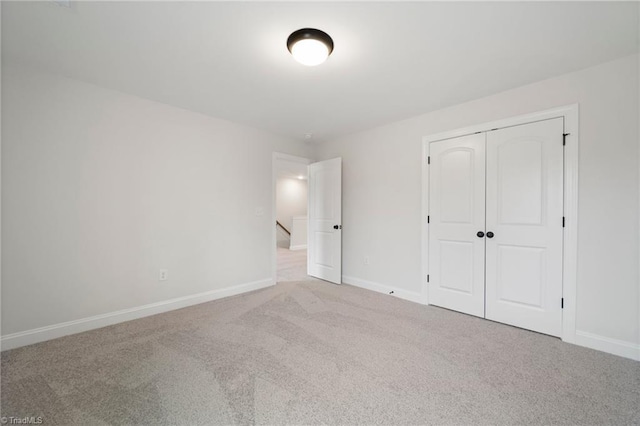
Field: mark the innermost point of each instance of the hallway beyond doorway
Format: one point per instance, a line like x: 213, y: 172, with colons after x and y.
x: 292, y: 265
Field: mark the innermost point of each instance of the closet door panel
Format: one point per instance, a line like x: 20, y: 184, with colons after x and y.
x: 524, y: 217
x: 456, y: 209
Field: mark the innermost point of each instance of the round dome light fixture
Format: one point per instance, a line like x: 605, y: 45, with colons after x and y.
x: 310, y: 46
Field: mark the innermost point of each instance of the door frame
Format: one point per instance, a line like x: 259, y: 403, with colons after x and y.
x: 570, y: 113
x: 274, y: 177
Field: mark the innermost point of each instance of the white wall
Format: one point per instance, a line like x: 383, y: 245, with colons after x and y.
x: 299, y: 230
x: 291, y: 200
x: 382, y: 190
x: 100, y: 190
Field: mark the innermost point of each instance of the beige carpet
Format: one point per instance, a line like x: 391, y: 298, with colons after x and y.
x: 292, y: 265
x: 309, y: 352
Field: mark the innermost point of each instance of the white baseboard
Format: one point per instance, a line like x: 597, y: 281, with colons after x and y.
x: 606, y: 344
x: 582, y: 338
x: 36, y: 335
x: 381, y: 288
x: 15, y: 340
x: 298, y: 247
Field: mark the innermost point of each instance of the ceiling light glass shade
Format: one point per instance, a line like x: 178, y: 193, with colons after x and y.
x: 310, y: 52
x: 310, y: 46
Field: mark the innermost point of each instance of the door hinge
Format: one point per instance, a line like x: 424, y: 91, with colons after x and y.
x: 429, y: 160
x: 562, y: 303
x: 427, y: 277
x: 428, y: 219
x: 563, y: 221
x: 564, y: 138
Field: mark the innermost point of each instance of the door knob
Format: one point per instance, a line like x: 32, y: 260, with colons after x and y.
x: 480, y: 234
x: 489, y: 234
x: 337, y: 226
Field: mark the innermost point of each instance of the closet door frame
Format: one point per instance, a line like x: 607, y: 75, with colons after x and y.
x: 570, y: 114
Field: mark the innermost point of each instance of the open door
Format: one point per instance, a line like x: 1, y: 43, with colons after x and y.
x: 324, y: 253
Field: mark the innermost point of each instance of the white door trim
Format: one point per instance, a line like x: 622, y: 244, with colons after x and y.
x: 570, y: 113
x: 274, y: 171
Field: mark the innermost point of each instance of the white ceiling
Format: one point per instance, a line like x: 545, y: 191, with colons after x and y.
x: 391, y: 60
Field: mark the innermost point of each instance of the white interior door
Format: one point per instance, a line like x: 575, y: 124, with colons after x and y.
x: 524, y: 226
x: 324, y: 253
x: 456, y: 216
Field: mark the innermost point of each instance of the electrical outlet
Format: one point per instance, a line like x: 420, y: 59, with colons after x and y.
x: 366, y: 260
x: 164, y: 274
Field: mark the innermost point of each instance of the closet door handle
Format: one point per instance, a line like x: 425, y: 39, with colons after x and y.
x: 480, y: 234
x: 489, y: 234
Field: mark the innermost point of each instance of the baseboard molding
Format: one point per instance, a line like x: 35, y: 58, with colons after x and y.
x: 36, y: 335
x: 606, y: 344
x: 582, y: 338
x: 381, y: 288
x: 299, y: 247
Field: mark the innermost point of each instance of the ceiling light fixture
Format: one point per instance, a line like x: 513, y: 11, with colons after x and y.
x: 310, y: 46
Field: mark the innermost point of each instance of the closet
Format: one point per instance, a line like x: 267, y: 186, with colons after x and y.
x: 495, y: 235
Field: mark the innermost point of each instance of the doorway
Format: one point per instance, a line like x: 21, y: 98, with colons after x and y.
x: 290, y: 221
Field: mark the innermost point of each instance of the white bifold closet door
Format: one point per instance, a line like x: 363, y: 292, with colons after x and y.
x: 524, y: 214
x: 457, y: 211
x: 495, y: 233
